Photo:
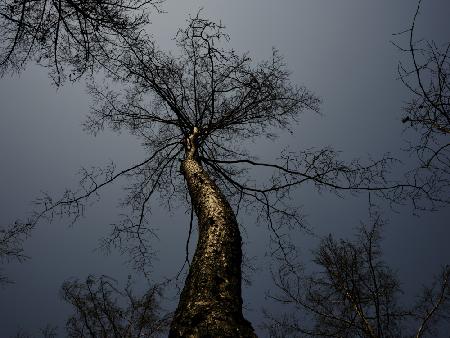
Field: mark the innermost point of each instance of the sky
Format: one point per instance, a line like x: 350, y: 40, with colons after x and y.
x: 341, y: 50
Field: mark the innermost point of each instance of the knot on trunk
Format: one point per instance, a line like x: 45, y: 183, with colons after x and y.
x: 191, y: 144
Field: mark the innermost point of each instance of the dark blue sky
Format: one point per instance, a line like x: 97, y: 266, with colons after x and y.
x: 339, y: 49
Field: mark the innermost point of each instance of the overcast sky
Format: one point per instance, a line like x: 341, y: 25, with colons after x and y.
x: 341, y: 50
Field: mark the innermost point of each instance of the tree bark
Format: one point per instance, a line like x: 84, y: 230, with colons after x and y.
x: 211, y: 303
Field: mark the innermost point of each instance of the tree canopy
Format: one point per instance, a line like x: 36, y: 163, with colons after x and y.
x: 70, y: 33
x: 201, y: 103
x: 351, y: 291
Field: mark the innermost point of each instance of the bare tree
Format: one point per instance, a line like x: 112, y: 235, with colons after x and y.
x: 354, y: 294
x: 199, y: 108
x: 428, y: 111
x: 102, y: 310
x: 67, y: 32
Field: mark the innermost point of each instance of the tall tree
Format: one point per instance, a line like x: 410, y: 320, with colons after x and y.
x: 199, y: 108
x: 352, y: 292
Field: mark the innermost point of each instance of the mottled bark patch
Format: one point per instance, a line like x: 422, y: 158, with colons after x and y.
x: 211, y: 303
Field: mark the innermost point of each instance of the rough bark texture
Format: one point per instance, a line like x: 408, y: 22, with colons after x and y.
x: 211, y: 303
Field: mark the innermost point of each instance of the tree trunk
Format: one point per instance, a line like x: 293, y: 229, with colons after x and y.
x: 211, y: 304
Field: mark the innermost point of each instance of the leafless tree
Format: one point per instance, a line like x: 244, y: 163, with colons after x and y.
x: 354, y: 293
x: 72, y: 33
x: 428, y: 112
x: 198, y: 109
x: 102, y: 310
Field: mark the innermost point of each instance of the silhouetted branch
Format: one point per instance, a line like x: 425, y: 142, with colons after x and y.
x: 102, y: 310
x: 428, y: 111
x: 11, y: 245
x: 76, y: 33
x: 433, y: 306
x: 353, y: 294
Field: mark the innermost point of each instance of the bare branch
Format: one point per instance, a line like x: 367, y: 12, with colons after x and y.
x: 75, y: 33
x: 102, y: 310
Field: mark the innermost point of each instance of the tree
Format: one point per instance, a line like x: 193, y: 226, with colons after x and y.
x: 199, y: 109
x: 428, y: 111
x: 353, y: 293
x: 67, y: 32
x: 102, y: 310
